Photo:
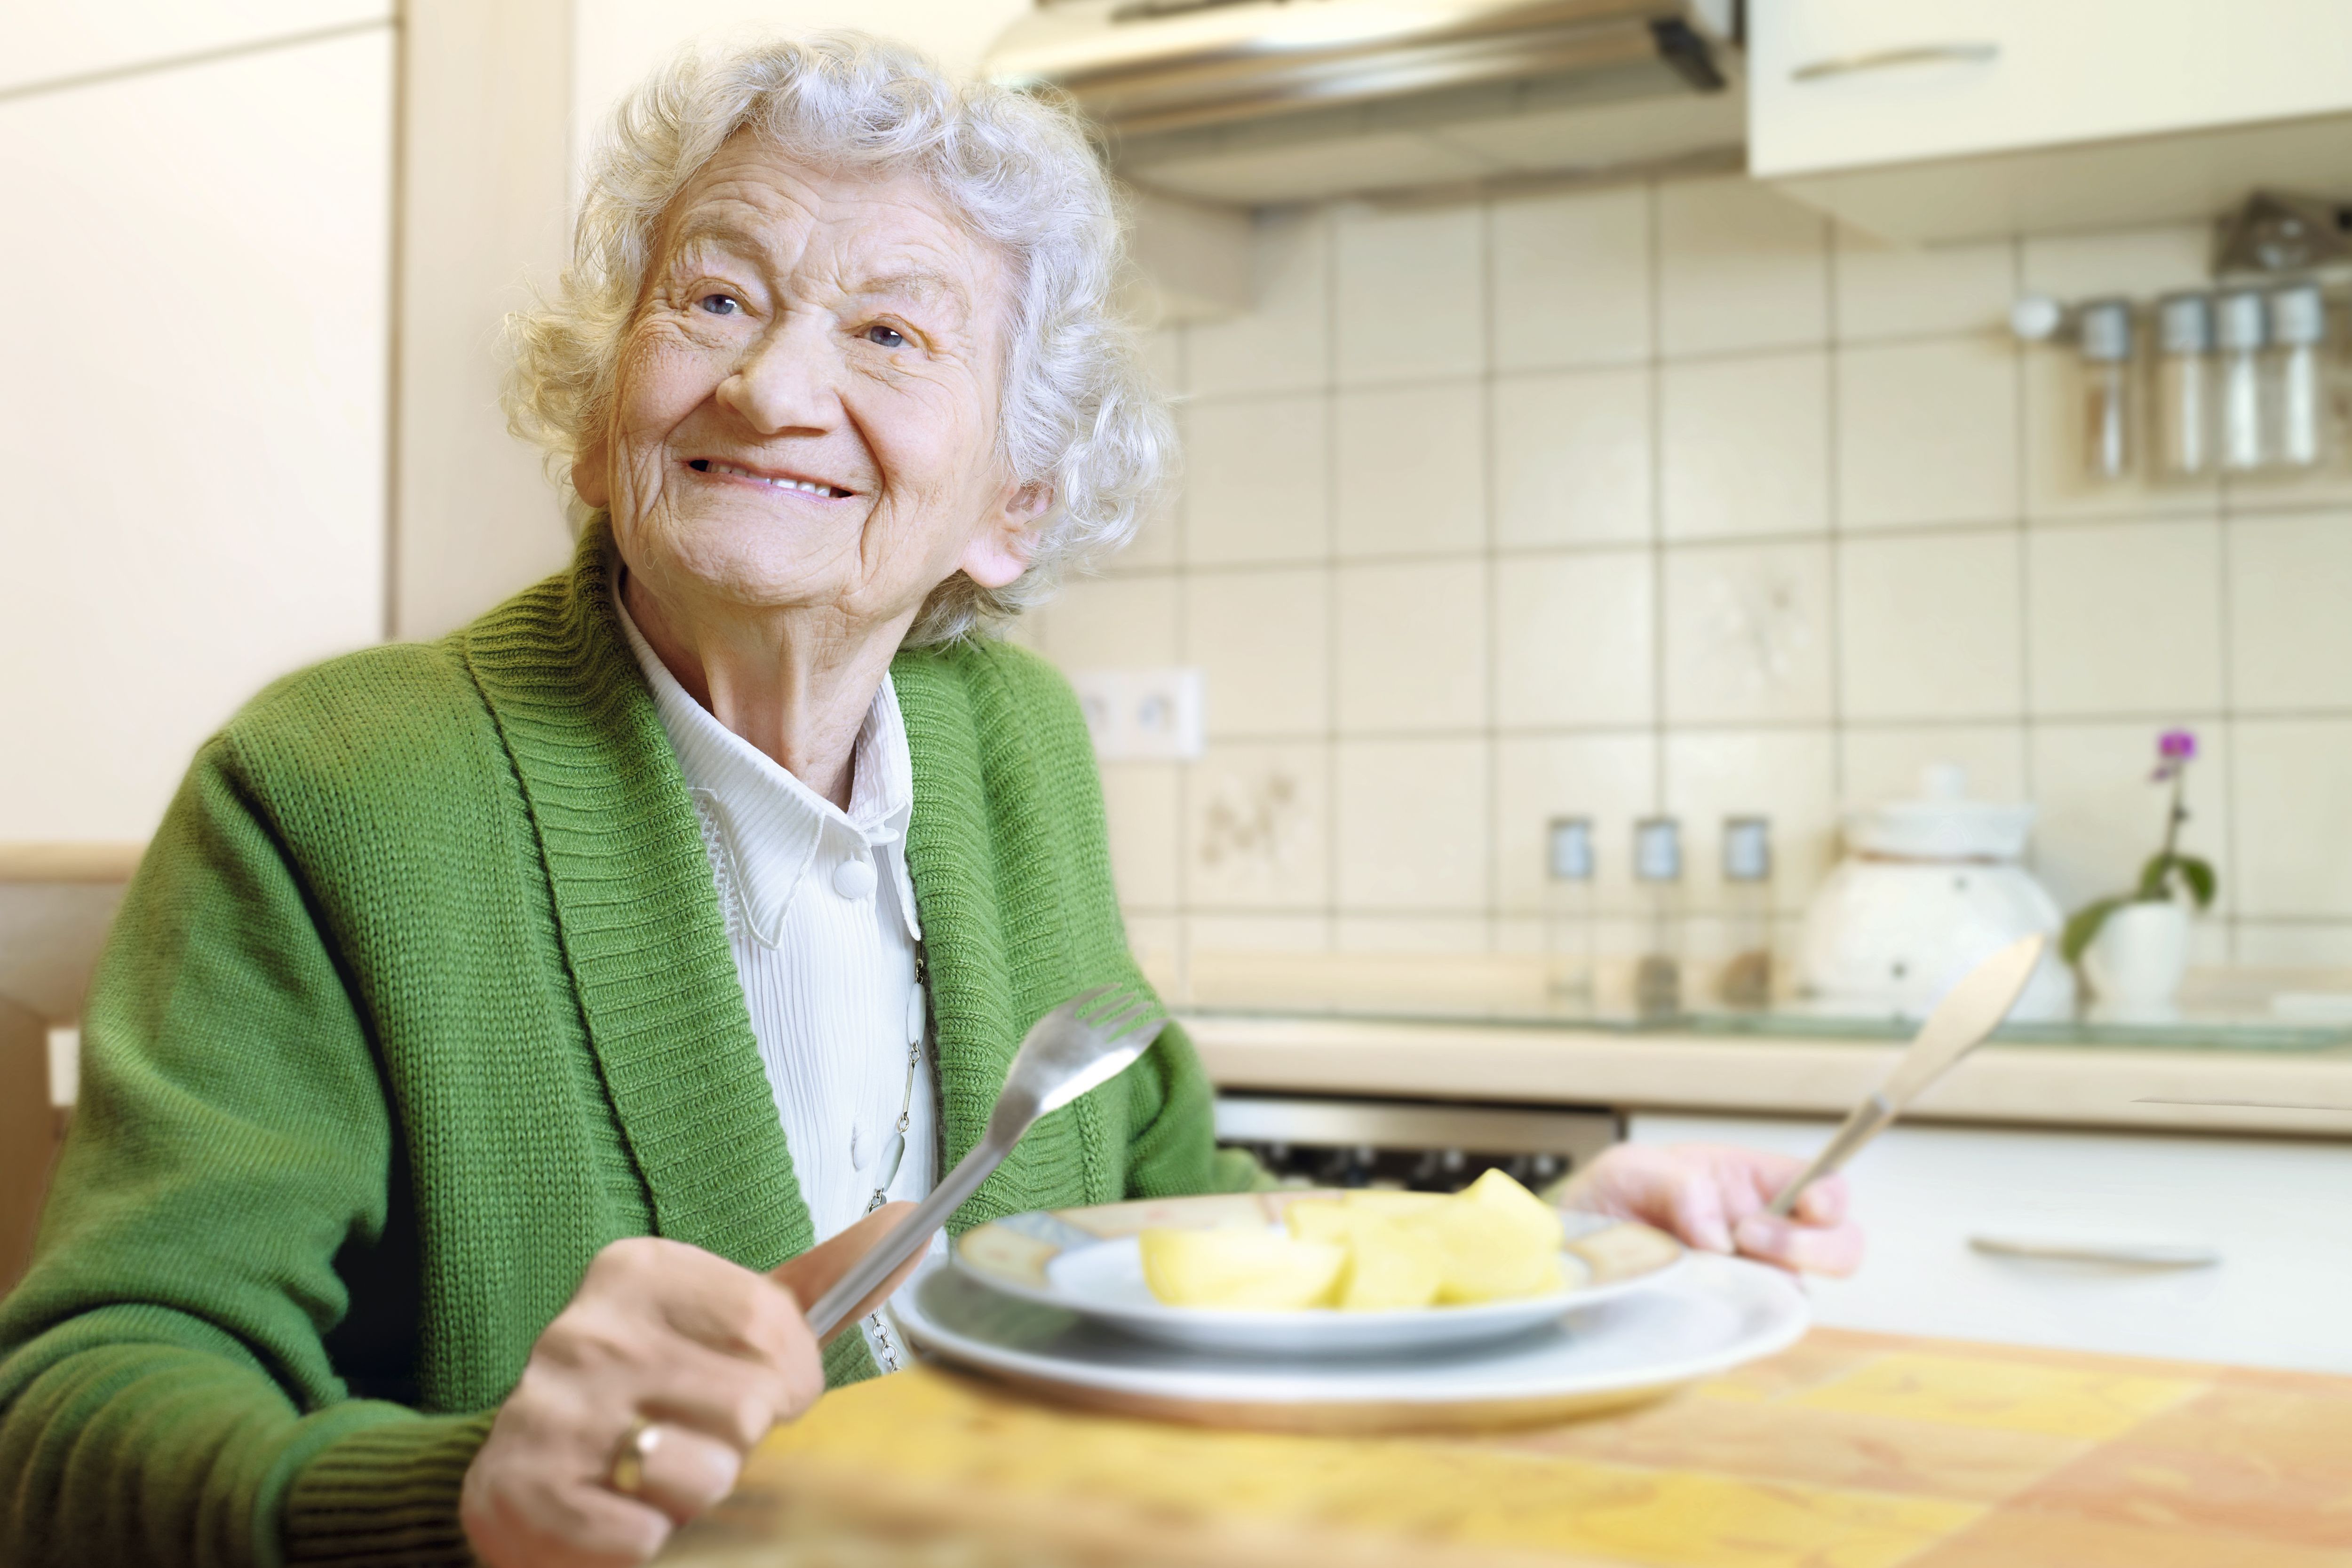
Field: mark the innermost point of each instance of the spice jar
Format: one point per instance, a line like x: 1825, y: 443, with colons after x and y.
x: 2241, y: 328
x: 1568, y: 906
x: 2184, y: 385
x: 2106, y: 346
x: 1658, y: 877
x: 1747, y: 977
x: 2298, y: 326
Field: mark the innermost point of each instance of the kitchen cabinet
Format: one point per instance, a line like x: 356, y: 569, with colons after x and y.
x: 1951, y: 1210
x: 1947, y: 118
x: 194, y: 422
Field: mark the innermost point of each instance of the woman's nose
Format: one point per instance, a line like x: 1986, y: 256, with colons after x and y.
x: 786, y: 383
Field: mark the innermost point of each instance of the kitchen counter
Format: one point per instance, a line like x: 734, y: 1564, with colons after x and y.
x: 2303, y: 1093
x: 1480, y: 1029
x: 1861, y: 1451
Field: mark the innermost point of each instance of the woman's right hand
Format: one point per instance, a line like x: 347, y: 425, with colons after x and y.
x: 707, y: 1354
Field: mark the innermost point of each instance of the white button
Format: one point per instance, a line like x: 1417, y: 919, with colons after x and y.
x: 915, y: 1016
x: 854, y: 878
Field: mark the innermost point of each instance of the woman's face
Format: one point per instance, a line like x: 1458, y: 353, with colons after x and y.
x: 806, y: 412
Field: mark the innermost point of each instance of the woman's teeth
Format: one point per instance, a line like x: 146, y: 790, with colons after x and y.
x: 712, y: 466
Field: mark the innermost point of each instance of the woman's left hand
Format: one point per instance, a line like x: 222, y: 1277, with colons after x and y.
x: 1713, y: 1197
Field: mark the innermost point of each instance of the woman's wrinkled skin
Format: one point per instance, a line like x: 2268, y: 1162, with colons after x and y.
x: 840, y: 334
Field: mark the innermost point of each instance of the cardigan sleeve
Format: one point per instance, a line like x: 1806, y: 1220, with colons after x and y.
x: 1173, y: 1150
x: 167, y: 1391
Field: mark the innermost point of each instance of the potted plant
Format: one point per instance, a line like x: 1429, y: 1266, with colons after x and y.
x: 2134, y: 947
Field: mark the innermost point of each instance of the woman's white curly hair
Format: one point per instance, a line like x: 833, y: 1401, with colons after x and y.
x: 1078, y: 413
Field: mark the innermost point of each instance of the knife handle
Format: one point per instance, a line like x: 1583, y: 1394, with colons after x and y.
x: 1867, y: 1121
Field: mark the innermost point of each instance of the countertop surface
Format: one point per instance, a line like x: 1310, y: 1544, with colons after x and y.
x: 1847, y: 1451
x: 1478, y: 1030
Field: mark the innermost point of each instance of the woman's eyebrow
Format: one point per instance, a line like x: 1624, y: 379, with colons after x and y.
x: 916, y: 284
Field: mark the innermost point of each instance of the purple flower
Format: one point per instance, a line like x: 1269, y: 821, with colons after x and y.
x: 2175, y: 749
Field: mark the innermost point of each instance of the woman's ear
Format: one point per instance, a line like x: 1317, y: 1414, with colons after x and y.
x: 999, y: 549
x: 588, y: 480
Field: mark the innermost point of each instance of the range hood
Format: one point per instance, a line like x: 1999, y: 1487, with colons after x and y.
x: 1269, y: 100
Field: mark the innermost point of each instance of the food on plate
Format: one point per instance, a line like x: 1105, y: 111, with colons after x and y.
x: 1539, y: 1220
x: 1370, y: 1251
x: 1256, y: 1269
x: 1490, y: 1253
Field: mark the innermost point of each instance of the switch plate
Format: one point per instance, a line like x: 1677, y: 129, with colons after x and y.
x: 1143, y: 714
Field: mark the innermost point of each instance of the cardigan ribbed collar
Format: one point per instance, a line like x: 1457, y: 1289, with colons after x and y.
x: 638, y: 917
x: 647, y: 947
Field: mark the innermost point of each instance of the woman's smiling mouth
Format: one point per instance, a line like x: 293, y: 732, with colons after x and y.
x: 774, y: 481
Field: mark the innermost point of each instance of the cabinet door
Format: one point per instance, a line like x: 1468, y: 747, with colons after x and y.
x: 2274, y: 1214
x: 192, y: 420
x: 1849, y: 84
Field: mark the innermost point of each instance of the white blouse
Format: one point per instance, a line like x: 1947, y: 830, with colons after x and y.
x: 820, y: 915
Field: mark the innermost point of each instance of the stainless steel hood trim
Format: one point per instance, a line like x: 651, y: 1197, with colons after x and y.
x: 1234, y: 61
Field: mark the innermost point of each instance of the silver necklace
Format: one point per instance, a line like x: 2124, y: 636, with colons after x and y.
x: 894, y: 1153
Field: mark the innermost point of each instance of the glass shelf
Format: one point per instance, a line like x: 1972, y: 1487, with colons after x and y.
x: 1506, y: 993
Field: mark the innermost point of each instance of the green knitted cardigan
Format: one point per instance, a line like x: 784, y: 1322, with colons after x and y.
x: 422, y: 996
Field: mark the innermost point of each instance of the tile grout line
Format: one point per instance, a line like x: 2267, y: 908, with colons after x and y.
x: 1186, y: 772
x: 1326, y: 220
x: 1654, y: 285
x: 1488, y: 586
x: 1833, y: 629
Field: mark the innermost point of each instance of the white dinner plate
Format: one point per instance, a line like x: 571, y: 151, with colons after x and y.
x: 1088, y: 1261
x: 1709, y: 1315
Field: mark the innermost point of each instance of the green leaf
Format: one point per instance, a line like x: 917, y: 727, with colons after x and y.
x: 2153, y: 874
x: 2083, y: 928
x: 2199, y: 878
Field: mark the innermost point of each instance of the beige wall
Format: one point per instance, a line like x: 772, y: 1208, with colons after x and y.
x: 192, y: 418
x: 485, y: 161
x: 1671, y: 497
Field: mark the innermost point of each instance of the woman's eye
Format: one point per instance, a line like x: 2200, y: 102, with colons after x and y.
x: 888, y: 336
x: 720, y: 304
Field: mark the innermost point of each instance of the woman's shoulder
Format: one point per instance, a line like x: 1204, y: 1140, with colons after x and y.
x: 992, y: 677
x: 344, y: 719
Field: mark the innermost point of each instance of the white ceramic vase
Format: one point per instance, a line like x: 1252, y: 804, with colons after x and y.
x: 2135, y: 962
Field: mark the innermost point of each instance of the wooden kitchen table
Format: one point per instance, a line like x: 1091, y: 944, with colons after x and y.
x: 1848, y: 1452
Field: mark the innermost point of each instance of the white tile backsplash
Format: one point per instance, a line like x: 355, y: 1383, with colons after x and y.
x: 1261, y: 638
x: 2124, y: 618
x: 1572, y: 458
x: 1575, y: 638
x: 1740, y: 266
x: 1408, y: 654
x: 1412, y: 294
x: 2294, y: 857
x: 1927, y: 433
x: 1747, y: 634
x: 1284, y: 344
x: 1411, y: 835
x: 2291, y: 612
x: 1744, y: 446
x: 1668, y: 498
x: 1257, y: 481
x: 1573, y: 279
x: 1929, y: 626
x: 1258, y: 828
x: 1889, y: 290
x: 1409, y: 480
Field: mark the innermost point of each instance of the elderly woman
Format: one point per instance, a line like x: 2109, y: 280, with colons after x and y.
x: 495, y: 1025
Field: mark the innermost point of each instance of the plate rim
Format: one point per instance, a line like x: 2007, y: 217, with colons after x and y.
x: 1238, y: 1384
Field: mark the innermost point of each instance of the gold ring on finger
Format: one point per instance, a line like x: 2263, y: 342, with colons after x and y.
x: 637, y: 1446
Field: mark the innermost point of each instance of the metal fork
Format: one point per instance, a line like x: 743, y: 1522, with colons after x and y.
x: 1085, y: 1041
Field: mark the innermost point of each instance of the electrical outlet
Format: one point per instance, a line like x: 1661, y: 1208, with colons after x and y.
x: 1143, y: 714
